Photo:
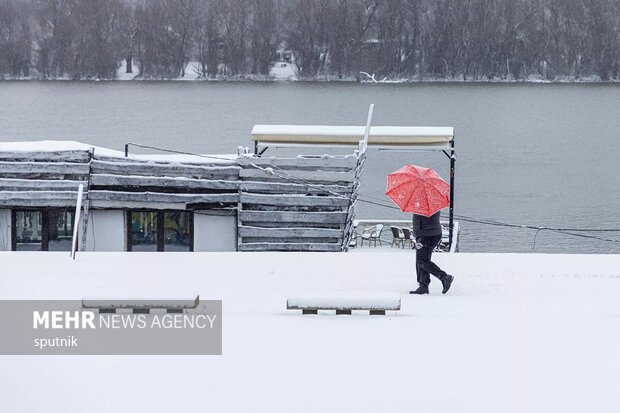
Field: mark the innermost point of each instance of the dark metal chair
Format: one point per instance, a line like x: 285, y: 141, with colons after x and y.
x: 408, y: 237
x: 398, y: 238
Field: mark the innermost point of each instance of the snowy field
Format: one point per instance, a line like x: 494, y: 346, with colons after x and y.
x: 518, y: 333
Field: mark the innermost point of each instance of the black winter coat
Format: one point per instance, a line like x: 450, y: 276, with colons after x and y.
x: 426, y: 227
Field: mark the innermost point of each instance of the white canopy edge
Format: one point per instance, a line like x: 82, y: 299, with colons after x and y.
x: 394, y: 136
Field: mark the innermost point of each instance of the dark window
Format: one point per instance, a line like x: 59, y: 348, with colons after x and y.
x: 159, y: 231
x: 60, y: 230
x: 143, y: 231
x: 177, y: 234
x: 42, y: 230
x: 28, y: 231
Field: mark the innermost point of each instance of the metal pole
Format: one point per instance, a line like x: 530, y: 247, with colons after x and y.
x: 452, y: 166
x: 126, y: 150
x: 371, y: 109
x: 76, y: 223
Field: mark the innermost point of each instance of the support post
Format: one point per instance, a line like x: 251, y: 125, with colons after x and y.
x: 452, y: 167
x: 76, y: 224
x: 87, y: 205
x: 126, y: 150
x: 239, y: 221
x: 363, y: 145
x: 128, y: 234
x: 13, y: 230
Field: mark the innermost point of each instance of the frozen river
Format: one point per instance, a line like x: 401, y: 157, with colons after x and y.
x: 542, y: 155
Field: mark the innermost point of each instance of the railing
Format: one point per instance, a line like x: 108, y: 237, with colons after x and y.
x: 386, y: 235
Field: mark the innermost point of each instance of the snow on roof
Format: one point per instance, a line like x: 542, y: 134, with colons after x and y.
x: 59, y: 146
x: 44, y: 146
x: 379, y: 135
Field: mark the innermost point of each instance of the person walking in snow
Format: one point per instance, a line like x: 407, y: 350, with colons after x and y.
x: 427, y: 232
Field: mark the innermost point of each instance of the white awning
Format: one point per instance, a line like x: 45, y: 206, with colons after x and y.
x: 384, y: 136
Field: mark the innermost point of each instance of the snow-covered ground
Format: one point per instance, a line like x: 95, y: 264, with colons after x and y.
x: 518, y: 333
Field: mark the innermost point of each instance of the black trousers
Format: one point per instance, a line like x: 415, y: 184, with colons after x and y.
x: 424, y: 265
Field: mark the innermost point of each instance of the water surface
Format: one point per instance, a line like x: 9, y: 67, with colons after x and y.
x: 543, y: 155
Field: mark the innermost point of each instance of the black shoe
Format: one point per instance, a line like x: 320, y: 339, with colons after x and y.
x: 422, y: 289
x: 446, y: 281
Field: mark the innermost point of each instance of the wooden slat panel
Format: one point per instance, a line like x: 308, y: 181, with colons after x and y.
x: 38, y: 195
x: 284, y: 188
x: 169, y: 170
x: 288, y: 240
x: 39, y: 185
x: 38, y: 203
x: 301, y: 217
x: 43, y: 168
x: 147, y: 181
x: 39, y: 198
x: 49, y: 156
x: 298, y: 176
x: 293, y: 200
x: 199, y: 161
x: 282, y: 246
x: 291, y: 225
x: 96, y: 195
x: 348, y: 162
x: 294, y: 233
x: 137, y: 205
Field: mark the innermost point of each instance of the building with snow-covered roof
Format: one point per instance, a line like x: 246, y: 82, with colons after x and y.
x: 179, y: 202
x: 193, y: 202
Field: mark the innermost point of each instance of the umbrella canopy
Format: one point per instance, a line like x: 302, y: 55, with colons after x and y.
x: 418, y: 190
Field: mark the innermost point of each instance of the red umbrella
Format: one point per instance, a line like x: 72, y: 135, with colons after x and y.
x: 418, y: 190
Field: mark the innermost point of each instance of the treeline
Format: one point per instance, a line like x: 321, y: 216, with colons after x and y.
x: 412, y: 39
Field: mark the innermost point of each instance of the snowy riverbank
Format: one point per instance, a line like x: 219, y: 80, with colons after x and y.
x: 518, y: 333
x: 193, y: 73
x: 324, y: 79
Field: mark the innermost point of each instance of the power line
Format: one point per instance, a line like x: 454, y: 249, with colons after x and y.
x: 538, y: 229
x: 178, y: 152
x: 269, y: 170
x: 373, y: 200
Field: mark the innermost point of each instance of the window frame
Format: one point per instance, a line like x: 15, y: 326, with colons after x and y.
x: 45, y: 225
x: 160, y: 219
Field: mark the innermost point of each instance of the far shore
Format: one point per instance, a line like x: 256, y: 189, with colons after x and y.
x: 266, y: 79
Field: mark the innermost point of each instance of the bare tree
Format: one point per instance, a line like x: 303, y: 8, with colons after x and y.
x: 469, y: 39
x: 15, y: 39
x: 306, y: 32
x: 263, y: 40
x: 207, y: 39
